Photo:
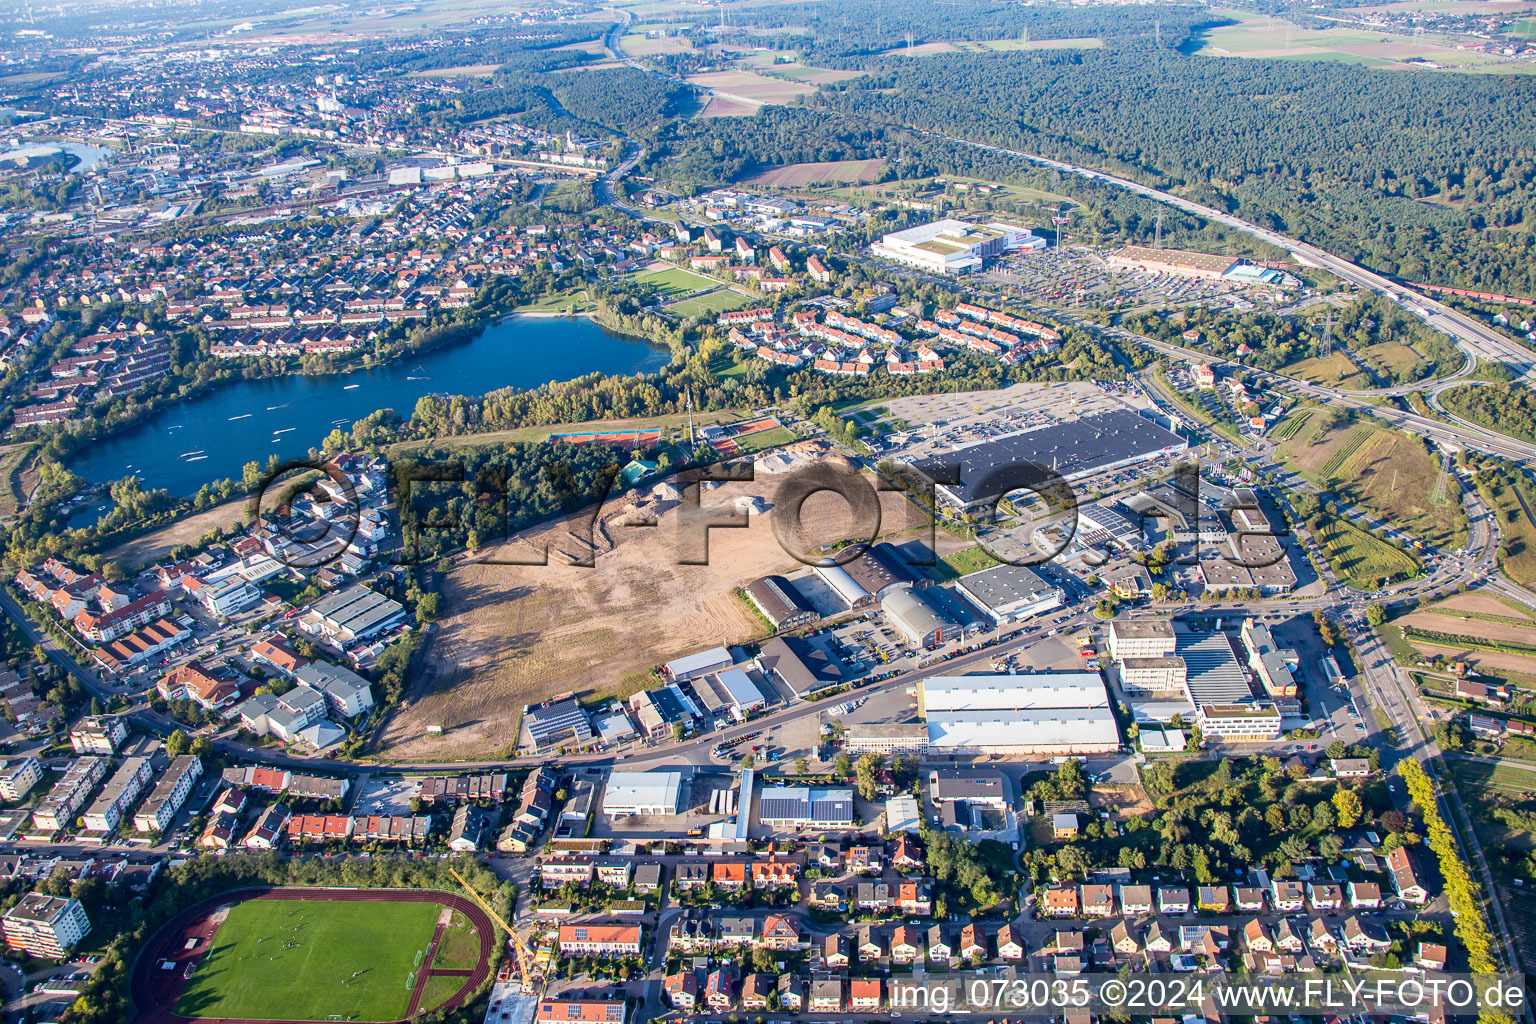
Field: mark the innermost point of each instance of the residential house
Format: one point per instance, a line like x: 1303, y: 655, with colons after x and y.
x: 905, y: 944
x: 1159, y: 940
x: 1248, y: 898
x: 870, y: 943
x: 1405, y: 877
x: 826, y: 995
x: 720, y: 989
x: 1097, y: 900
x: 1214, y: 899
x: 1287, y: 938
x: 1059, y: 901
x: 779, y: 932
x: 941, y: 950
x: 1364, y: 895
x: 1431, y: 956
x: 1325, y: 895
x: 1256, y: 937
x: 791, y: 993
x: 1172, y: 899
x: 1136, y: 899
x: 1125, y: 938
x: 1010, y: 944
x: 1365, y: 936
x: 834, y: 951
x: 1287, y: 895
x: 973, y: 943
x: 755, y: 990
x: 864, y: 995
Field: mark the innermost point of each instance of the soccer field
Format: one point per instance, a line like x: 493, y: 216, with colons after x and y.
x: 311, y: 960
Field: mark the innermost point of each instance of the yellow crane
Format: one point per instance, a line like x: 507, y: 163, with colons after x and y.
x: 524, y: 954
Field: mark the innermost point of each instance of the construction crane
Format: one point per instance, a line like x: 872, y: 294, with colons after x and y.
x: 524, y: 954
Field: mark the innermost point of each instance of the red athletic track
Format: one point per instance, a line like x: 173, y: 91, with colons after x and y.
x: 155, y: 992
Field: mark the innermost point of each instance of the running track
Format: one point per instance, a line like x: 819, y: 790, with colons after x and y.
x: 155, y: 991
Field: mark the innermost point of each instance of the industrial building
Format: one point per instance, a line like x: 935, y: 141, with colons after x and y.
x: 1072, y: 450
x: 885, y: 738
x: 954, y: 246
x: 805, y: 666
x: 918, y: 620
x: 692, y: 666
x: 558, y: 720
x: 355, y: 613
x: 658, y: 710
x: 1275, y: 666
x: 742, y: 692
x: 780, y: 603
x: 643, y: 793
x: 1010, y: 593
x: 1178, y: 262
x: 1036, y: 713
x: 806, y: 807
x: 1153, y: 677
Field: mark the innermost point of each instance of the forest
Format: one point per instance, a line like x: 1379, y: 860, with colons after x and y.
x: 1425, y: 177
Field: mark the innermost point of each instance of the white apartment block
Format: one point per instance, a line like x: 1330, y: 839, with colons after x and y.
x: 45, y: 926
x: 17, y: 777
x: 169, y: 794
x: 121, y: 790
x: 100, y: 734
x: 57, y: 811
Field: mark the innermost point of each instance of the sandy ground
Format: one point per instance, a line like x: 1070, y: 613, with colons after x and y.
x: 1483, y: 604
x: 135, y: 554
x: 517, y: 634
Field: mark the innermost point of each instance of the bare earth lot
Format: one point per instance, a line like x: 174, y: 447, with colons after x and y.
x: 797, y: 175
x: 515, y: 634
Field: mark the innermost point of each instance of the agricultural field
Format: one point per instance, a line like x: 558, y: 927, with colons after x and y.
x: 635, y: 44
x: 513, y: 634
x: 719, y: 106
x: 462, y: 71
x: 1492, y: 637
x: 1389, y: 475
x: 756, y: 89
x: 1254, y: 36
x: 315, y: 959
x: 1361, y: 560
x: 709, y: 303
x: 800, y: 175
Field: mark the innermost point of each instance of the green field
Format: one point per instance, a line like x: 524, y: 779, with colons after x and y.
x: 708, y: 303
x: 459, y: 946
x: 1361, y: 560
x: 671, y: 282
x: 964, y: 562
x: 312, y: 959
x: 765, y: 439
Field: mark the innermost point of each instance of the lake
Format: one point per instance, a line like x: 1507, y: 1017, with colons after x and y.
x: 187, y: 444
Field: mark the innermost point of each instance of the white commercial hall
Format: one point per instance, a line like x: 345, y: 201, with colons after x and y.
x: 1031, y: 713
x: 647, y: 793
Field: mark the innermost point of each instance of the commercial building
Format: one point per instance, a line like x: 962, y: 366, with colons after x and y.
x: 98, y: 734
x: 169, y: 794
x: 347, y: 694
x: 681, y: 670
x: 45, y: 926
x: 355, y: 613
x: 643, y: 793
x: 558, y: 720
x: 1010, y: 593
x: 1179, y: 262
x: 954, y: 246
x: 1275, y: 666
x: 58, y: 808
x: 742, y: 692
x: 806, y: 807
x: 121, y: 790
x: 18, y: 776
x: 885, y: 738
x: 805, y: 666
x: 918, y: 620
x: 659, y: 710
x: 780, y: 603
x: 1072, y: 450
x: 1162, y: 677
x: 1140, y: 638
x: 1045, y: 713
x: 1240, y: 722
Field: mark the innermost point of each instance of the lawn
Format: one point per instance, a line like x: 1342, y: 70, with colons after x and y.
x: 964, y: 562
x: 1361, y: 560
x: 1337, y: 370
x: 572, y: 301
x: 459, y: 947
x: 762, y: 440
x: 312, y: 959
x: 1517, y: 533
x: 15, y: 482
x: 1262, y: 36
x: 708, y: 303
x: 671, y: 282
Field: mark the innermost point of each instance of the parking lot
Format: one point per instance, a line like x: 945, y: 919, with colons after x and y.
x: 1079, y: 277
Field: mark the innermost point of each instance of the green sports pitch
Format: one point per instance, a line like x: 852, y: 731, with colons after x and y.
x: 313, y: 960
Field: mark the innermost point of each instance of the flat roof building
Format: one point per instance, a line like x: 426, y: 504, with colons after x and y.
x: 355, y: 613
x: 45, y: 926
x: 121, y: 790
x: 806, y: 806
x: 643, y: 793
x: 99, y: 734
x: 1141, y: 638
x: 1180, y: 262
x: 1036, y: 713
x: 560, y: 720
x: 1072, y: 450
x: 1010, y: 593
x: 169, y: 794
x: 953, y: 246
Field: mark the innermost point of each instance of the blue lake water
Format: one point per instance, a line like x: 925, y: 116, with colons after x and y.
x: 187, y: 444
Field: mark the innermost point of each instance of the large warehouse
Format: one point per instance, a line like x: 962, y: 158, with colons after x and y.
x: 1035, y: 713
x: 954, y: 246
x: 1073, y: 450
x: 1180, y: 262
x: 918, y: 620
x: 650, y: 793
x: 806, y: 807
x: 1010, y: 593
